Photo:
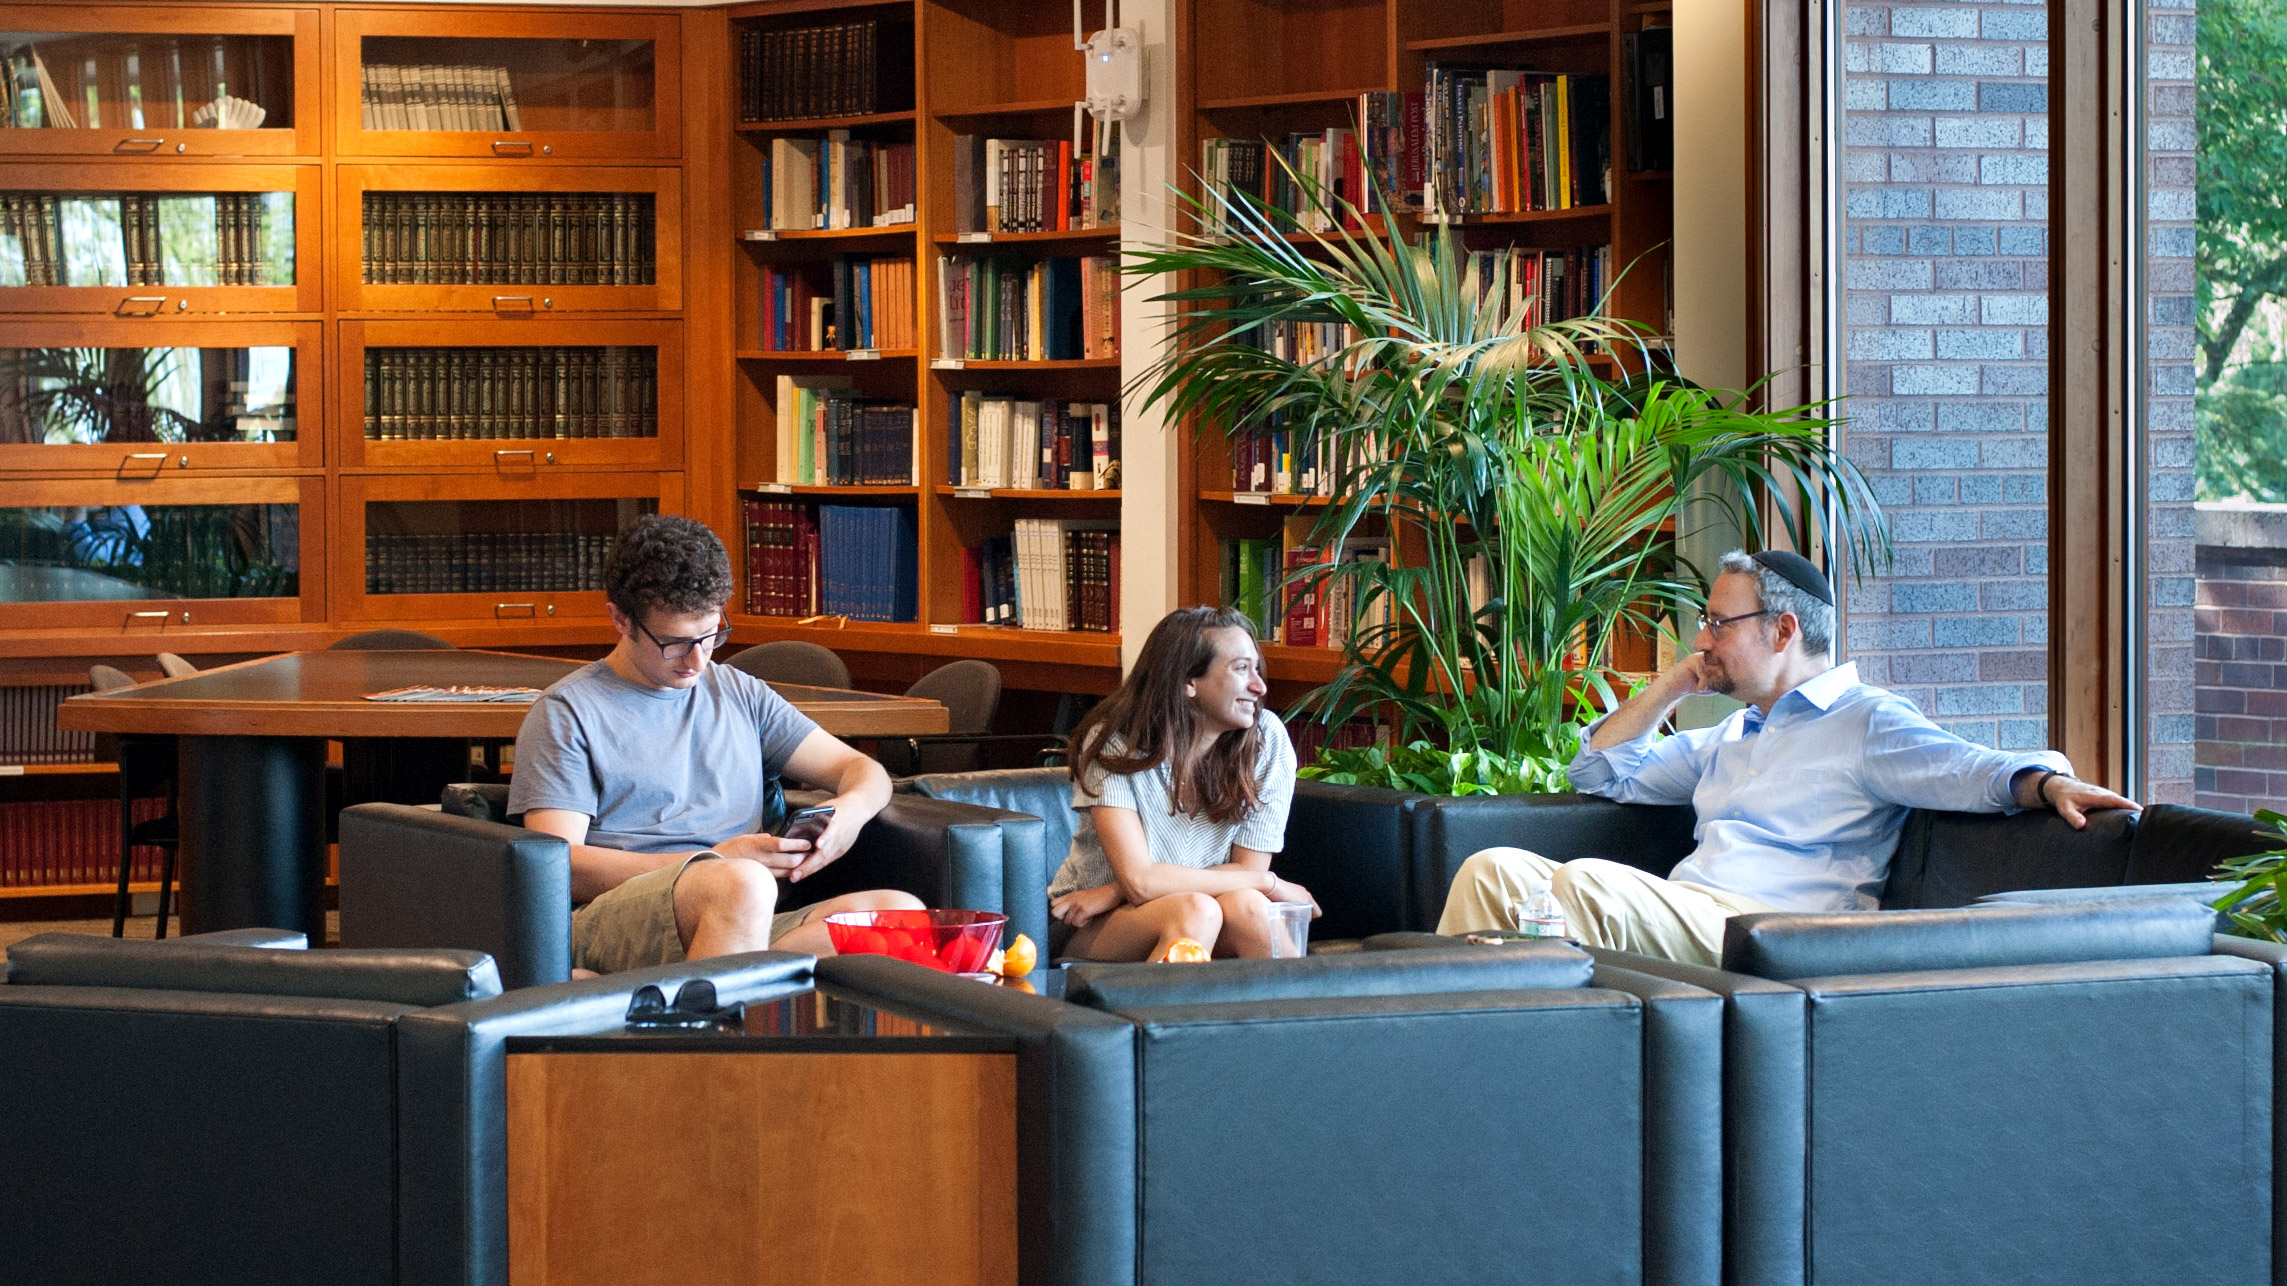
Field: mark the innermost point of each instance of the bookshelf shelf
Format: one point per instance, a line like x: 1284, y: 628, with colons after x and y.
x: 1300, y: 664
x: 1279, y: 499
x: 818, y: 124
x: 825, y: 355
x: 1028, y: 107
x: 1299, y: 98
x: 1023, y: 493
x: 1056, y: 236
x: 980, y: 364
x: 771, y: 236
x: 824, y: 492
x: 1580, y: 33
x: 1531, y: 216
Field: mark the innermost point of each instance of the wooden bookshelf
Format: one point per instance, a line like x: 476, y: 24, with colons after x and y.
x: 1267, y: 68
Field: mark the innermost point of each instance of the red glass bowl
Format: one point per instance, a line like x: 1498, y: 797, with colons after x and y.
x: 954, y: 941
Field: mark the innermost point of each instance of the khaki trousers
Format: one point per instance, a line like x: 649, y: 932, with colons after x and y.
x: 1606, y: 904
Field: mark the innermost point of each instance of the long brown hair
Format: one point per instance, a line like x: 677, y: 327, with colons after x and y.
x: 1155, y: 722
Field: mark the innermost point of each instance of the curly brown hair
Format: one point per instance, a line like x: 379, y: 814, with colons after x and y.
x: 1155, y: 722
x: 669, y: 564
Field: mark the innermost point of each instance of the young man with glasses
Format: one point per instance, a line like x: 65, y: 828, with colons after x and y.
x: 1800, y: 795
x: 650, y: 763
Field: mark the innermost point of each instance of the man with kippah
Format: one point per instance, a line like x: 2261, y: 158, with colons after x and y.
x: 1800, y: 795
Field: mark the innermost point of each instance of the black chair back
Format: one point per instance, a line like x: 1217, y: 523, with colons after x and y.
x: 390, y: 641
x: 792, y: 661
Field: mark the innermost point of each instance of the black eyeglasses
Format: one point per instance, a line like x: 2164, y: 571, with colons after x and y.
x: 677, y: 649
x: 1714, y: 624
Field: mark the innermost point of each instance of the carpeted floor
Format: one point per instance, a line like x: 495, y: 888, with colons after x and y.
x: 138, y: 926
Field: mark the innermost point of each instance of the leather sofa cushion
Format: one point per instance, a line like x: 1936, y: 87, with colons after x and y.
x: 1541, y: 966
x: 1953, y: 859
x: 1045, y: 793
x: 2175, y: 844
x: 2201, y: 891
x: 483, y: 800
x: 425, y: 977
x: 1784, y: 945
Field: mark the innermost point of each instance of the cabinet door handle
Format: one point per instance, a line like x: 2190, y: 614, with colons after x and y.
x: 149, y: 144
x: 526, y: 452
x: 145, y: 616
x: 499, y: 302
x: 508, y: 609
x: 152, y: 305
x: 510, y: 147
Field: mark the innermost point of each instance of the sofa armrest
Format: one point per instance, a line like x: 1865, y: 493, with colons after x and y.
x: 1443, y: 832
x: 948, y: 854
x: 417, y: 877
x: 1076, y: 1124
x: 275, y: 939
x: 452, y: 1100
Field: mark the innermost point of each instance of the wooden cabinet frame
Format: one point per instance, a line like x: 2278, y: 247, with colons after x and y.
x: 352, y: 603
x: 523, y: 456
x: 183, y: 460
x: 306, y: 295
x: 133, y: 625
x: 302, y: 139
x: 352, y: 294
x: 663, y: 141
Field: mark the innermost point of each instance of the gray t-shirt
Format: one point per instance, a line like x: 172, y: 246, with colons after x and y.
x: 656, y: 770
x: 1180, y: 839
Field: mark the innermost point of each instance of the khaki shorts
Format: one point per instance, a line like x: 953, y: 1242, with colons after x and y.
x: 633, y: 926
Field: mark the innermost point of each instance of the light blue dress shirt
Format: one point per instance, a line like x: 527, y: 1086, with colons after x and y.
x: 1801, y: 810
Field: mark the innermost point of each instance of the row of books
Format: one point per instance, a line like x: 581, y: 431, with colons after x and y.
x: 870, y: 305
x: 859, y: 561
x: 1308, y: 177
x: 1649, y: 56
x: 1276, y: 459
x: 144, y: 239
x: 50, y: 842
x: 454, y: 394
x: 781, y: 558
x: 1059, y: 574
x: 433, y: 97
x: 509, y: 238
x: 842, y: 69
x: 996, y: 440
x: 1034, y: 185
x: 28, y: 731
x: 1262, y: 578
x: 828, y: 436
x: 837, y: 182
x: 484, y: 562
x: 1040, y: 310
x: 1549, y: 285
x: 1504, y: 141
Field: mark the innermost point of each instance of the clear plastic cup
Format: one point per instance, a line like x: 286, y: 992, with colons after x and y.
x: 1290, y: 930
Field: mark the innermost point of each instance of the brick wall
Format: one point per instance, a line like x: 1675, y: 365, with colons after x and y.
x: 1946, y: 238
x: 2169, y: 445
x: 2241, y: 670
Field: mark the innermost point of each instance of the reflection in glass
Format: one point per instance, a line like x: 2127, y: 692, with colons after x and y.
x: 65, y: 396
x: 427, y: 83
x: 492, y: 546
x: 147, y: 239
x: 79, y: 553
x: 126, y: 80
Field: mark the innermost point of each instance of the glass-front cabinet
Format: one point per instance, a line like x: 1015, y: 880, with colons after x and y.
x: 442, y: 238
x: 507, y: 84
x: 138, y: 557
x: 511, y: 396
x: 149, y: 240
x: 160, y: 80
x: 151, y: 398
x: 485, y: 547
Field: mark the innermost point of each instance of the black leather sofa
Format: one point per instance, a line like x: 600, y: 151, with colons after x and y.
x: 214, y: 1110
x: 2017, y: 1092
x: 462, y: 876
x: 1479, y: 1114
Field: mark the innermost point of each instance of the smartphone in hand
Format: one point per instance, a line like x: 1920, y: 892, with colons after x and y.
x: 807, y: 824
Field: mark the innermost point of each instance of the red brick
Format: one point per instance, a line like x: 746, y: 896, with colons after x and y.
x: 2230, y: 728
x: 2221, y: 593
x: 2244, y: 621
x: 2265, y: 593
x: 2242, y: 781
x: 2273, y: 757
x: 2267, y: 701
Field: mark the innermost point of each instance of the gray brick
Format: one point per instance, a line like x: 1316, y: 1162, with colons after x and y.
x: 1981, y: 560
x: 1970, y: 203
x: 1908, y: 310
x: 1933, y: 96
x: 1958, y: 596
x: 1942, y: 667
x: 1889, y: 415
x: 2015, y: 524
x: 2013, y: 96
x: 2168, y: 207
x: 2171, y: 243
x: 2037, y: 559
x: 2168, y: 66
x: 2013, y: 310
x: 2037, y: 628
x: 1977, y: 274
x: 1934, y: 380
x: 2029, y: 169
x: 1865, y: 94
x: 1897, y: 58
x: 1931, y: 240
x: 1901, y: 274
x: 1862, y: 166
x: 2172, y: 381
x: 2023, y: 240
x: 1938, y: 490
x: 2004, y: 24
x: 1926, y: 453
x: 2026, y: 489
x: 2024, y: 734
x: 1865, y: 20
x: 1983, y: 698
x: 1886, y: 635
x: 2037, y: 61
x: 2001, y: 381
x: 1975, y: 631
x: 2014, y: 453
x: 1981, y: 489
x: 1933, y: 526
x: 1947, y: 24
x: 1981, y: 345
x: 2170, y: 487
x: 1979, y: 60
x: 1862, y: 203
x: 1880, y: 240
x: 1890, y: 345
x: 1886, y: 131
x: 1905, y: 203
x: 2037, y: 133
x: 2169, y: 136
x: 1980, y: 132
x: 2172, y: 591
x: 2014, y: 596
x: 1978, y: 731
x: 1981, y: 417
x: 2171, y: 30
x: 1933, y: 167
x: 1973, y: 241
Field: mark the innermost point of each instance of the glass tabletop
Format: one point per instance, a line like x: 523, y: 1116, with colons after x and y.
x: 812, y: 1021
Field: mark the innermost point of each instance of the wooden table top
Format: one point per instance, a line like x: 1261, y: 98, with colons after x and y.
x: 322, y: 694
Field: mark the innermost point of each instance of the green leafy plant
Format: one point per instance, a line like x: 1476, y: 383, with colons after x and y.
x: 2256, y: 907
x: 83, y: 395
x: 1476, y: 438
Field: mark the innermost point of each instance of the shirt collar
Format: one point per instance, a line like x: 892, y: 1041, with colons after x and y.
x: 1822, y: 690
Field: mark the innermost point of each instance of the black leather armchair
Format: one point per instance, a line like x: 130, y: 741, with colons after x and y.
x: 429, y: 877
x: 1429, y: 1116
x: 2013, y: 1092
x: 205, y: 1110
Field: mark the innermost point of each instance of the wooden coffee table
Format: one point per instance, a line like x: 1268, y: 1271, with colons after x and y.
x: 252, y: 742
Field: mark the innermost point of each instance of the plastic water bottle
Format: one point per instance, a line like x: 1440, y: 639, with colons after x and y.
x: 1540, y: 915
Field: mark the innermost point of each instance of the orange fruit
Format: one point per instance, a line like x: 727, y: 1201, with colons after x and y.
x: 1019, y: 984
x: 1185, y: 951
x: 1020, y: 957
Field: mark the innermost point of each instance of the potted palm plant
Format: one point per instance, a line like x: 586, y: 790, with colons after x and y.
x: 1483, y: 440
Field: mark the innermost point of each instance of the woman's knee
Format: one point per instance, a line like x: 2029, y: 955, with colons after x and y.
x: 1244, y: 904
x: 881, y: 900
x: 1195, y: 915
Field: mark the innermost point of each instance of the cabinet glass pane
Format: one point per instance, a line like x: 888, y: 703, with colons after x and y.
x: 456, y: 394
x: 509, y: 238
x: 83, y: 553
x: 492, y: 546
x: 81, y: 396
x: 506, y: 85
x: 113, y: 80
x: 146, y: 239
